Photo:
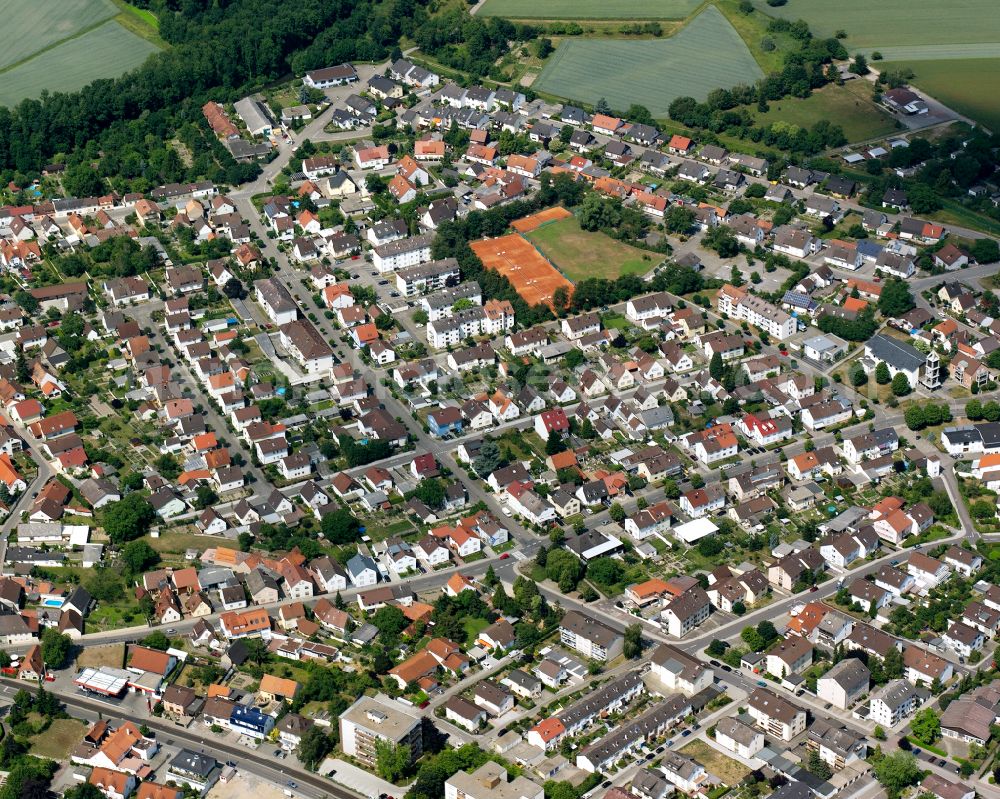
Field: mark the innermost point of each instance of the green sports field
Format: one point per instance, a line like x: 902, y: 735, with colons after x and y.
x: 30, y: 26
x: 971, y: 86
x: 580, y: 254
x: 104, y: 52
x: 653, y: 72
x: 885, y: 23
x: 589, y: 9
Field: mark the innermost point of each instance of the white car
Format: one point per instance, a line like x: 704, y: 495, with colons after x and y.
x: 506, y: 511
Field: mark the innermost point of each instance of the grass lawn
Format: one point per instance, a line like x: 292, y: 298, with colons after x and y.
x: 179, y: 543
x: 969, y: 85
x: 472, y: 628
x: 112, y: 655
x: 140, y: 21
x: 725, y: 768
x: 896, y: 22
x: 615, y: 320
x: 849, y: 106
x: 580, y: 254
x: 752, y: 28
x: 112, y: 616
x: 652, y: 71
x: 589, y: 9
x: 379, y: 532
x: 102, y: 52
x: 62, y: 736
x: 954, y: 213
x: 935, y: 533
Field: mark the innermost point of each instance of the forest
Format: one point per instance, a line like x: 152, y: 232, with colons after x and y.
x: 219, y: 50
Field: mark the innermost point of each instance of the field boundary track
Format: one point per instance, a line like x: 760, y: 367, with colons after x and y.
x: 75, y: 35
x: 895, y: 23
x: 75, y: 62
x: 31, y: 26
x: 590, y: 10
x: 936, y: 52
x: 651, y: 71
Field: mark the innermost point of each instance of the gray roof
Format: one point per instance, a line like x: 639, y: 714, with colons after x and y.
x: 850, y: 674
x: 252, y: 113
x: 189, y: 762
x: 895, y: 353
x: 589, y: 628
x: 733, y: 728
x: 357, y: 565
x: 606, y: 696
x: 895, y: 693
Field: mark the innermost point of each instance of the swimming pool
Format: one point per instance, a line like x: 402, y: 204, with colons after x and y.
x: 52, y: 603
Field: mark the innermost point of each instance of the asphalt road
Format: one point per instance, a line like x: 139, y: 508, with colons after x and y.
x: 193, y: 738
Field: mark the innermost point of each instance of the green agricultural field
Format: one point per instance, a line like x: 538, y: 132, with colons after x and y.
x: 589, y: 9
x: 896, y: 22
x: 580, y: 254
x: 29, y: 27
x: 971, y: 85
x: 653, y: 72
x: 104, y: 52
x: 849, y: 106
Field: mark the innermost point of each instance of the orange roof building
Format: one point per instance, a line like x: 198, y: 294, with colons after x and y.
x: 647, y: 591
x: 152, y: 660
x: 251, y: 622
x: 153, y: 790
x: 278, y: 687
x: 458, y: 583
x: 808, y: 619
x: 546, y: 733
x: 413, y: 668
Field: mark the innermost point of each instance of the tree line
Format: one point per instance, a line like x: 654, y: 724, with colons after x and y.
x: 219, y: 50
x: 807, y: 67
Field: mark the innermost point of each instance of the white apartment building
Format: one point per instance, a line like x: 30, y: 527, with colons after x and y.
x: 734, y: 735
x: 399, y: 254
x: 494, y: 317
x: 590, y: 637
x: 426, y: 277
x: 776, y: 716
x: 894, y: 702
x: 738, y: 304
x: 490, y: 781
x: 375, y: 718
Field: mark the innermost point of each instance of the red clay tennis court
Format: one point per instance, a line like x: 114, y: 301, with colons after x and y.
x: 533, y: 277
x: 528, y: 223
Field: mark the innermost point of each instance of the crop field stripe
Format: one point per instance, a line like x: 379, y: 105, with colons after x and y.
x: 104, y: 52
x: 604, y: 10
x: 654, y: 72
x: 939, y: 52
x: 31, y: 27
x: 53, y: 46
x: 888, y: 23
